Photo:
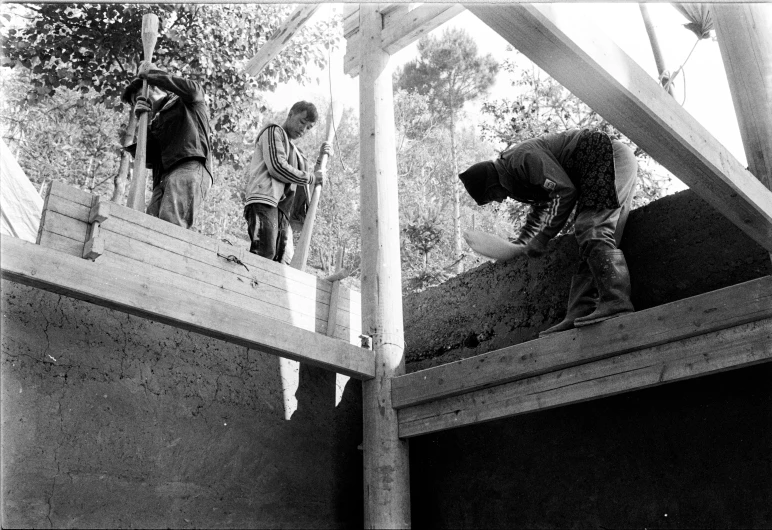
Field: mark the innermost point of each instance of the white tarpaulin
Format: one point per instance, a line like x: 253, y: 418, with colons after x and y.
x: 20, y: 203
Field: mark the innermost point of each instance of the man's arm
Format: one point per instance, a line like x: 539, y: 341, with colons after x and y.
x: 188, y: 91
x: 544, y: 171
x: 275, y: 155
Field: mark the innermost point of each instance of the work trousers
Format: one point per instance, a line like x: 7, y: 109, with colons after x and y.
x: 604, y: 227
x: 180, y: 193
x: 270, y: 232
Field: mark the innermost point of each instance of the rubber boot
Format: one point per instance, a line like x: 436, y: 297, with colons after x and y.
x: 582, y: 299
x: 609, y: 269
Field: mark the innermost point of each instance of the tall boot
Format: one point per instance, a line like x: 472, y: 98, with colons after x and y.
x: 609, y: 269
x: 582, y: 299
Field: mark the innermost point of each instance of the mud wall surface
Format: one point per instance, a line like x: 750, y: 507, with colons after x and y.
x: 114, y: 421
x: 675, y: 248
x: 693, y: 454
x: 110, y: 421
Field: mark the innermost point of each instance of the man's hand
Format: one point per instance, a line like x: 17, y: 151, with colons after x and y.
x: 492, y: 246
x: 324, y: 149
x: 142, y: 105
x: 144, y: 68
x: 319, y: 177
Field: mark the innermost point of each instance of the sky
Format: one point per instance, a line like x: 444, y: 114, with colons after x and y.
x: 706, y: 96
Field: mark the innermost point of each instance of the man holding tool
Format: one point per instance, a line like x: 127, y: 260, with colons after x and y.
x: 178, y: 143
x: 556, y: 173
x: 277, y: 168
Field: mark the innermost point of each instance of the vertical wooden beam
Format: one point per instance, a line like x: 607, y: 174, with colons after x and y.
x: 744, y: 33
x: 386, y: 474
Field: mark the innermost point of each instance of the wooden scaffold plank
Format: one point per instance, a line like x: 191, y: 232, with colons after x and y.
x: 597, y: 71
x: 172, y: 299
x: 723, y: 308
x: 713, y: 352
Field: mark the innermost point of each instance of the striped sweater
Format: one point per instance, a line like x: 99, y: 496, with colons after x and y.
x: 532, y: 172
x: 277, y: 167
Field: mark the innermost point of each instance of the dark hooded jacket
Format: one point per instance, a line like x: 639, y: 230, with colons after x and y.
x: 179, y: 128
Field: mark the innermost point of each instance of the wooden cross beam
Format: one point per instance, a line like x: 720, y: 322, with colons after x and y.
x: 402, y: 25
x: 598, y: 72
x: 276, y: 43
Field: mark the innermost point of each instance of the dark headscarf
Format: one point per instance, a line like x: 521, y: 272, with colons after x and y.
x: 478, y: 178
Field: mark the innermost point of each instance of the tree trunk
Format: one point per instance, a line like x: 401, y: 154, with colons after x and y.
x: 456, y: 192
x: 122, y: 178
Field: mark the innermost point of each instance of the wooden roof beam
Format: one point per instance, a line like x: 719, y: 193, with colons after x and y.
x: 276, y: 43
x: 166, y: 297
x: 598, y: 72
x: 709, y: 312
x: 402, y: 25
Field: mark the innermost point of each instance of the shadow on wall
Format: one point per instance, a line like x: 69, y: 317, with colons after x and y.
x: 109, y: 420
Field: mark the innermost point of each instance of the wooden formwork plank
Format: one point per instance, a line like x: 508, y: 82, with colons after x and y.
x: 726, y: 349
x: 73, y: 203
x: 712, y: 311
x: 66, y: 226
x: 170, y: 299
x: 261, y: 285
x: 597, y: 71
x: 173, y: 232
x: 60, y: 243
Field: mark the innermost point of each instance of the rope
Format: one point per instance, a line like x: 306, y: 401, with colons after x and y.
x: 332, y: 115
x: 680, y: 68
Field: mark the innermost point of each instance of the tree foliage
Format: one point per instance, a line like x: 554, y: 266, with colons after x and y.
x: 426, y: 197
x: 448, y: 70
x: 63, y: 137
x: 97, y: 47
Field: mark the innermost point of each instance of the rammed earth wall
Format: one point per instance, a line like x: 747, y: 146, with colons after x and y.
x: 693, y: 454
x: 113, y: 421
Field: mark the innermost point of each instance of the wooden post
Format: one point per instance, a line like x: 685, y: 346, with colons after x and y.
x: 386, y: 473
x: 136, y: 199
x: 744, y: 33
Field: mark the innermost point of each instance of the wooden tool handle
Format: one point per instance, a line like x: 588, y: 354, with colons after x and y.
x: 136, y: 198
x: 304, y: 242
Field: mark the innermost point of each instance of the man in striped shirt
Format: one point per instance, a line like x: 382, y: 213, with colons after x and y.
x: 277, y: 168
x: 557, y: 173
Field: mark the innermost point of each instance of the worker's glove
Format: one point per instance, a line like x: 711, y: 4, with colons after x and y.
x: 142, y: 105
x: 319, y: 177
